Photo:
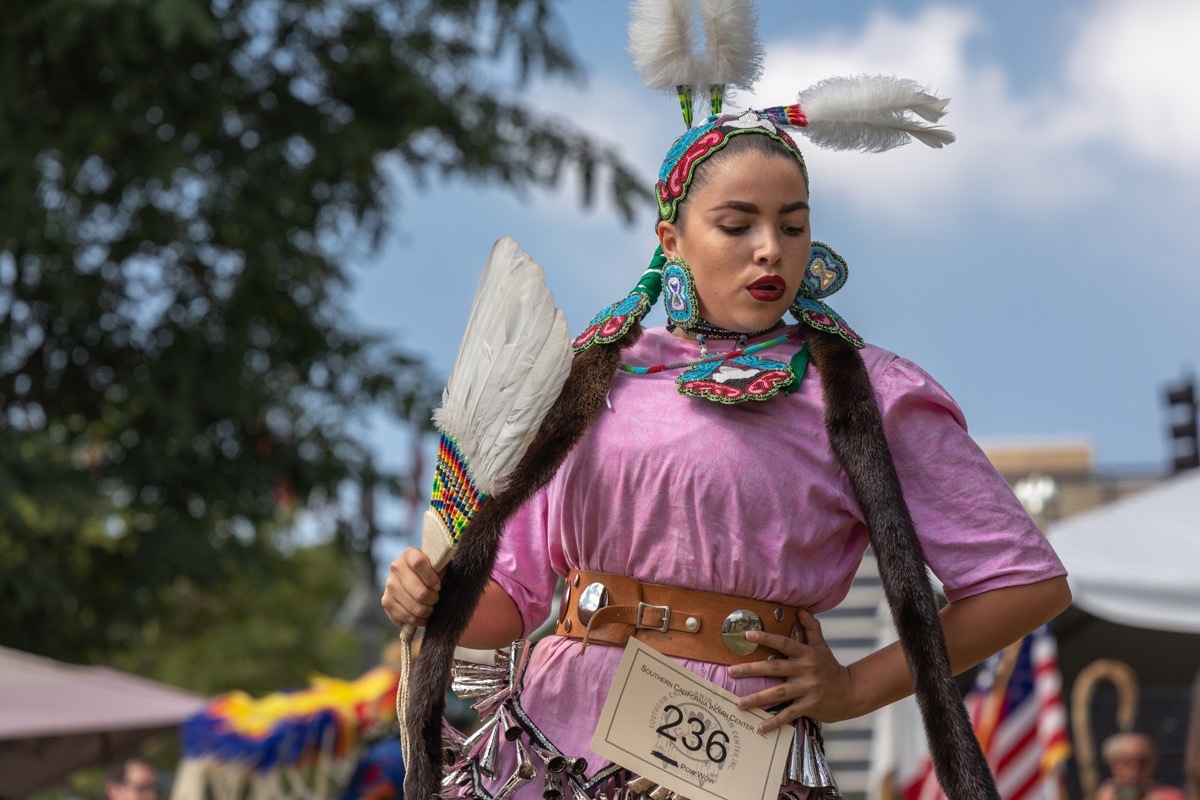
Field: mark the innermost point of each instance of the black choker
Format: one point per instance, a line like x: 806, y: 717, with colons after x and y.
x: 710, y: 331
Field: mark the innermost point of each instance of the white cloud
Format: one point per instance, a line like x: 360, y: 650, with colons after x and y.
x: 1125, y: 89
x: 1012, y: 151
x: 1132, y: 73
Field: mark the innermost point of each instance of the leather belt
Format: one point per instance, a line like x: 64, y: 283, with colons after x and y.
x: 598, y: 608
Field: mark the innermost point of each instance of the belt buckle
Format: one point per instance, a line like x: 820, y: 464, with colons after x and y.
x: 666, y: 618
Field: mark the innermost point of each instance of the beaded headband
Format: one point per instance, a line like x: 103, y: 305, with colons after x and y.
x: 703, y: 141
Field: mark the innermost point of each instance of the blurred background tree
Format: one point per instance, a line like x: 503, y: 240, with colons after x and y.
x: 182, y: 186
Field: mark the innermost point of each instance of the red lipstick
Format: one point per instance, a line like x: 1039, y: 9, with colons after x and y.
x: 767, y: 289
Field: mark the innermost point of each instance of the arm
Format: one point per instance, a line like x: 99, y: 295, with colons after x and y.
x: 821, y: 688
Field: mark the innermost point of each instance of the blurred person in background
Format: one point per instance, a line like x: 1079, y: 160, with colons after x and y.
x: 1132, y: 759
x: 132, y: 779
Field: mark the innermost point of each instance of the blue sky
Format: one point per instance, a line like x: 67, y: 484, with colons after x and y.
x: 1045, y: 267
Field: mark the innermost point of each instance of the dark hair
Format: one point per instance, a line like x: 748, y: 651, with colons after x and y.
x: 749, y: 142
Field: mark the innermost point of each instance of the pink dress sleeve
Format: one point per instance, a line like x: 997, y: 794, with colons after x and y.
x: 975, y: 533
x: 523, y: 563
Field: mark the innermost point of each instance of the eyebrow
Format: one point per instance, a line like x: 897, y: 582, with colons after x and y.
x: 750, y: 208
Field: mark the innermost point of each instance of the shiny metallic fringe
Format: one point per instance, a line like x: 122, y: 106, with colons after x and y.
x: 497, y: 687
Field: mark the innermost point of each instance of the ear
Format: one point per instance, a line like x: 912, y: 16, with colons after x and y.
x: 668, y: 237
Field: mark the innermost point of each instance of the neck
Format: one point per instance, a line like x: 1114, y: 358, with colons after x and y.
x: 709, y: 331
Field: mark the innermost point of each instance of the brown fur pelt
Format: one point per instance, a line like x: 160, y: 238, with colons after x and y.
x: 856, y: 432
x: 583, y: 396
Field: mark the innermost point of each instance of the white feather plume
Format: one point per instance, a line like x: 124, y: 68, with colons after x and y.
x: 662, y: 41
x: 510, y: 368
x: 872, y: 113
x: 733, y: 53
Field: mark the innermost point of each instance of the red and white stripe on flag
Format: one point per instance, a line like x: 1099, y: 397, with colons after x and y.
x: 1017, y: 710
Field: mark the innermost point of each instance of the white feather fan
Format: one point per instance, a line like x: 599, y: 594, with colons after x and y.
x: 510, y: 368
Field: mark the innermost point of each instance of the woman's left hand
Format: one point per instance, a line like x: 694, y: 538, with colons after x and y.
x: 813, y: 680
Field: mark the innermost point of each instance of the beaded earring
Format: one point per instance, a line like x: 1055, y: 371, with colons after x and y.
x: 825, y: 274
x: 679, y: 294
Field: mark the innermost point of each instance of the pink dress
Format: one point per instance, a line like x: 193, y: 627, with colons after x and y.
x: 746, y: 500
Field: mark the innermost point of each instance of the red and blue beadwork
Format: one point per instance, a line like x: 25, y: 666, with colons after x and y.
x: 699, y: 143
x: 613, y: 322
x: 454, y: 497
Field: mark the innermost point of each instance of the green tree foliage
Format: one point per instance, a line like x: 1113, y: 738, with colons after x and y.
x: 182, y: 184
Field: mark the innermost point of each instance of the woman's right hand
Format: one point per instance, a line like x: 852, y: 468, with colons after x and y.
x: 412, y: 589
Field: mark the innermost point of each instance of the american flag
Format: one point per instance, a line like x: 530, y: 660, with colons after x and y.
x: 1017, y: 710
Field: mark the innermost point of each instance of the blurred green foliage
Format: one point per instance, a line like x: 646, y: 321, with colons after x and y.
x: 182, y: 185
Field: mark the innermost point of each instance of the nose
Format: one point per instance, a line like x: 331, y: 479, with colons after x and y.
x: 768, y: 250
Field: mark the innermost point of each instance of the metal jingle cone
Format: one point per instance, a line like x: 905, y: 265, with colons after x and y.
x: 455, y: 779
x: 810, y: 773
x: 795, y: 763
x: 471, y: 669
x: 523, y: 774
x: 487, y: 756
x: 827, y: 784
x: 452, y: 744
x: 526, y: 769
x: 503, y: 656
x: 576, y: 766
x: 451, y: 734
x: 555, y: 762
x: 518, y: 660
x: 660, y: 793
x: 512, y: 731
x: 576, y: 792
x: 474, y: 742
x: 640, y: 786
x: 814, y: 767
x: 553, y: 788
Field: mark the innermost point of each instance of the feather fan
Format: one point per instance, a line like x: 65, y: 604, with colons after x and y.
x: 511, y: 364
x: 510, y: 368
x: 872, y: 113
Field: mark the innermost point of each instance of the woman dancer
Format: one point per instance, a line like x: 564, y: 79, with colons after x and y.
x: 718, y: 468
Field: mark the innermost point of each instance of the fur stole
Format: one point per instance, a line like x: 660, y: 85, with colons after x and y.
x: 856, y: 433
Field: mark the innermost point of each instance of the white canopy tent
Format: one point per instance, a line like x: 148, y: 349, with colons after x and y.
x: 1137, y: 561
x: 55, y: 717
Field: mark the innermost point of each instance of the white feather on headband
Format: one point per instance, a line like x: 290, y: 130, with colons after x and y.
x: 733, y: 51
x: 872, y: 113
x: 662, y: 42
x: 662, y: 38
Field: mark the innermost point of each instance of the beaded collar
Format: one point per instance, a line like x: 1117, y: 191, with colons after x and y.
x: 738, y: 375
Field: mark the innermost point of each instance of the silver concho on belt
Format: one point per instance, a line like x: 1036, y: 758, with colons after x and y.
x: 737, y: 623
x: 593, y: 598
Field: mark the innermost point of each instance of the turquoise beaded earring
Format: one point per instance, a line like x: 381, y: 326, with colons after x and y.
x: 679, y: 294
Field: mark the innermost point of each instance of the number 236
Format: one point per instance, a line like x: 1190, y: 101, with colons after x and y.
x: 714, y: 747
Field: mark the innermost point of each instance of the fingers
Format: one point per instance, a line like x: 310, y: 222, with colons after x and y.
x: 811, y: 682
x: 812, y: 628
x: 419, y: 562
x: 412, y: 589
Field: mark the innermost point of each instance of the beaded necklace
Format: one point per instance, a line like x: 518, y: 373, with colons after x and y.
x: 707, y: 358
x: 735, y: 376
